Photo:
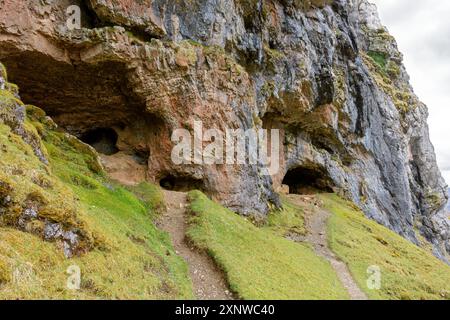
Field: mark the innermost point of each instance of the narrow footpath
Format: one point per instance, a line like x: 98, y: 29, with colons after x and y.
x: 207, y: 280
x: 316, y: 226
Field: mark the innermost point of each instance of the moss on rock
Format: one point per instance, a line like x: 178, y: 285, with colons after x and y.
x: 3, y: 73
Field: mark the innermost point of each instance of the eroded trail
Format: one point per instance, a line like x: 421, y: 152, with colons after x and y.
x: 207, y: 280
x: 316, y: 225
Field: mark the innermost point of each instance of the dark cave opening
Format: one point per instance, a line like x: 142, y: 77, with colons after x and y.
x: 303, y: 180
x: 104, y: 140
x: 96, y: 102
x: 77, y: 96
x: 141, y: 156
x: 184, y: 184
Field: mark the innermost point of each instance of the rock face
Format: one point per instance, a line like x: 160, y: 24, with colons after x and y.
x: 448, y: 203
x: 326, y: 73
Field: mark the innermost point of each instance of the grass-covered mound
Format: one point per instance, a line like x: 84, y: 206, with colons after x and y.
x: 257, y: 262
x: 58, y: 213
x: 407, y: 271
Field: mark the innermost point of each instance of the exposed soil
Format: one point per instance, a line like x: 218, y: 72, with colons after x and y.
x: 207, y: 279
x: 316, y: 225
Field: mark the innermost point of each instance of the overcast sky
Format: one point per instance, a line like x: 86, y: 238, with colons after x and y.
x: 422, y: 30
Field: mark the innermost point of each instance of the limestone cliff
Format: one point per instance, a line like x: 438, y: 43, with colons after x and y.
x: 327, y: 73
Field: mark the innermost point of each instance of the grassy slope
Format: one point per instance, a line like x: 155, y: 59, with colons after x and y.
x: 151, y: 195
x: 134, y: 260
x: 407, y: 271
x: 130, y: 259
x: 289, y: 220
x: 257, y: 262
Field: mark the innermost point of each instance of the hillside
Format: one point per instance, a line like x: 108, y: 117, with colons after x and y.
x: 123, y: 255
x: 59, y: 210
x: 116, y: 175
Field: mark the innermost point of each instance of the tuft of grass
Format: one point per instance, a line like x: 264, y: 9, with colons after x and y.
x: 379, y: 58
x: 258, y: 263
x: 407, y: 271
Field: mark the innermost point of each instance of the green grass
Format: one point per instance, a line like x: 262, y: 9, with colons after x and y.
x: 407, y: 271
x: 152, y: 195
x: 384, y: 74
x: 128, y: 257
x: 287, y: 220
x: 379, y: 58
x: 387, y: 67
x: 258, y: 263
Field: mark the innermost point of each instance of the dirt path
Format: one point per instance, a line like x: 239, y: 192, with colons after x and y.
x: 316, y: 225
x: 207, y: 280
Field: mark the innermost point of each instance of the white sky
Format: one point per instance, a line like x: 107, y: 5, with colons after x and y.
x: 422, y: 30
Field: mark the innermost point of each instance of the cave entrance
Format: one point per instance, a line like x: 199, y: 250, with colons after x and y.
x: 104, y: 140
x: 302, y: 180
x: 96, y: 102
x: 182, y: 184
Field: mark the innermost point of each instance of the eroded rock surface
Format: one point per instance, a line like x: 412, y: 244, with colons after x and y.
x: 326, y: 73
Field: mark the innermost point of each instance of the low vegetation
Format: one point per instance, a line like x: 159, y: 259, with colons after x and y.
x: 288, y: 220
x: 152, y: 196
x: 379, y: 58
x: 122, y: 255
x: 407, y: 271
x: 384, y: 73
x: 49, y: 179
x: 257, y: 262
